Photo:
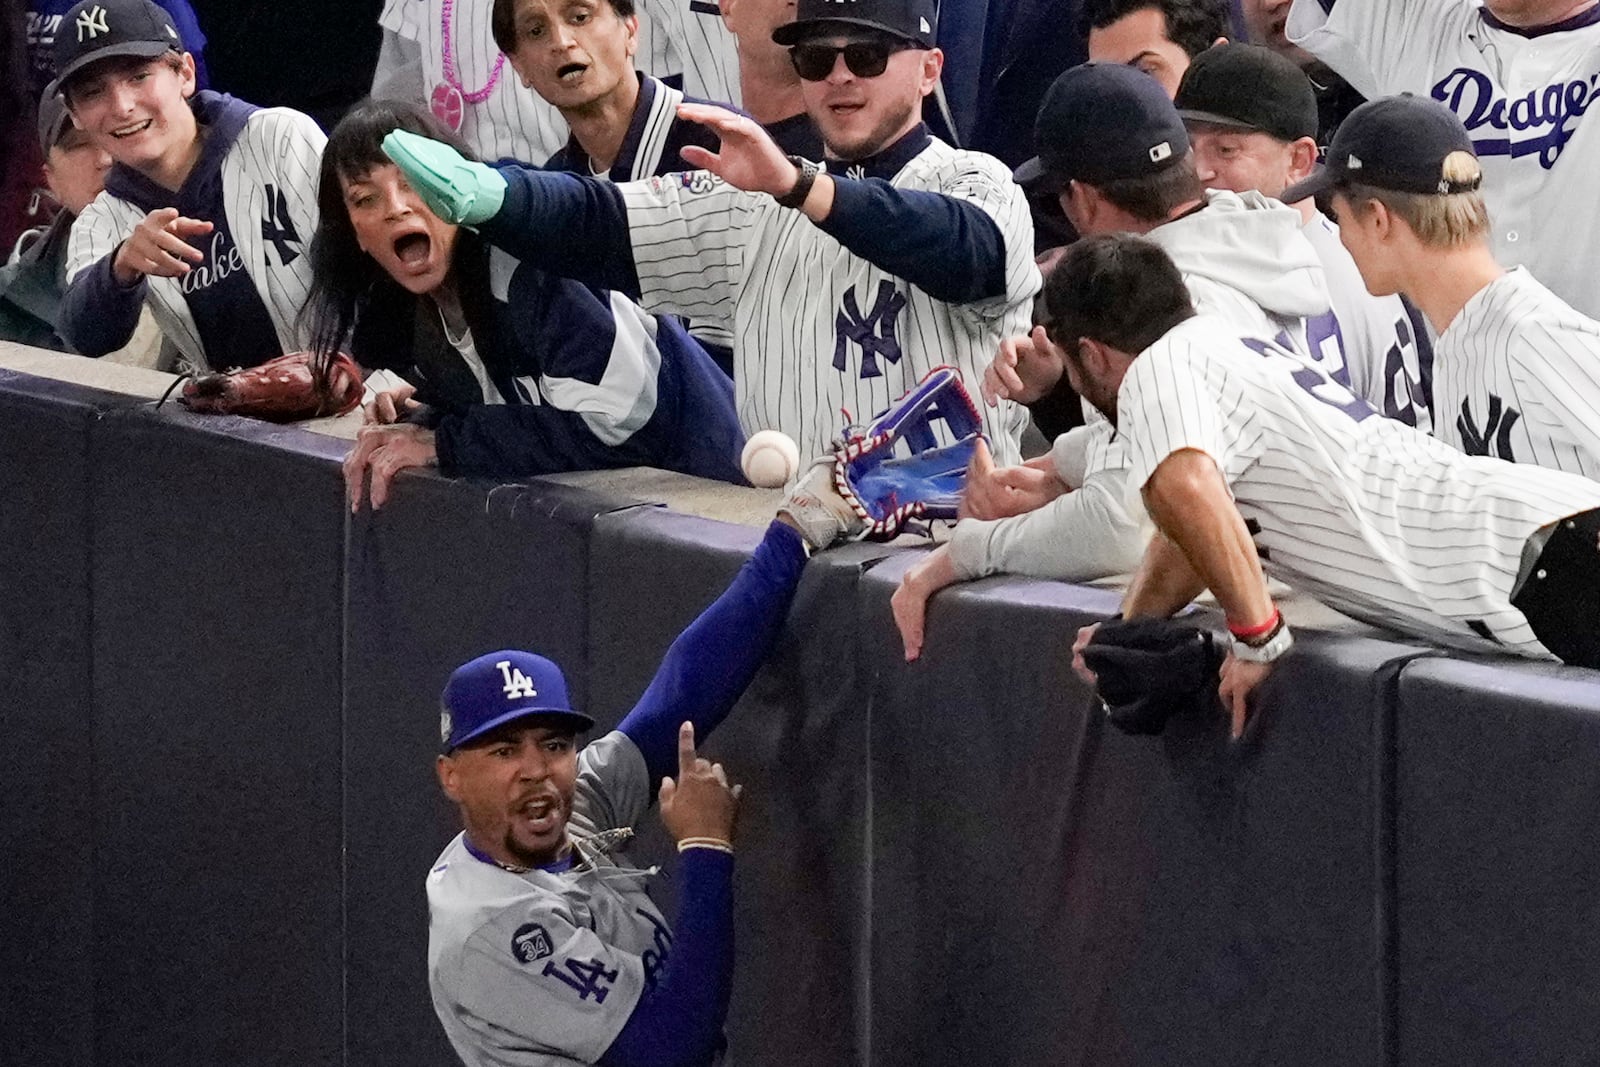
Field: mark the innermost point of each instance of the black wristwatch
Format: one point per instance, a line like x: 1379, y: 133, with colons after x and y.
x: 808, y: 177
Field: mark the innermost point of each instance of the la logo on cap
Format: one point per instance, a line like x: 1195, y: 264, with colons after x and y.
x: 1353, y: 163
x: 517, y: 684
x: 92, y: 22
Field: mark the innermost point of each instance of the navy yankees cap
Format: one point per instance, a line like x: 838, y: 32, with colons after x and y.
x: 99, y: 29
x: 1400, y: 143
x: 1103, y: 121
x: 500, y: 687
x: 913, y: 20
x: 52, y: 120
x: 1247, y: 87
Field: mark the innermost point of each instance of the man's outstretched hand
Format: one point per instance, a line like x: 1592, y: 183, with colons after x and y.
x: 748, y: 158
x: 454, y: 187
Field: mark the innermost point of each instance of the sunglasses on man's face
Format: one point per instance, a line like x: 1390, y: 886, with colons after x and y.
x: 864, y: 59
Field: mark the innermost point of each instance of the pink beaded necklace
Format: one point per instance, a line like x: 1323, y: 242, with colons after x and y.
x: 450, y: 97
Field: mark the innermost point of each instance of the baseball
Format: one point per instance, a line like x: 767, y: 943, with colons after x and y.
x: 770, y: 459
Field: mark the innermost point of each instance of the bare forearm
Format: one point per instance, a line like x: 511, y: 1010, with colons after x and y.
x: 1164, y: 583
x: 1190, y: 504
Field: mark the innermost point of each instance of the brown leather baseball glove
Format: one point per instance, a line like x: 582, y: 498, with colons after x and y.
x: 285, y: 389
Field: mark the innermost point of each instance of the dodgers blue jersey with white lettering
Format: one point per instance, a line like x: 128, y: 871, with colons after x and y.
x: 1524, y: 98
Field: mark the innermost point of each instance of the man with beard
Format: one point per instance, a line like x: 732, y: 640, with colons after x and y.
x: 843, y: 286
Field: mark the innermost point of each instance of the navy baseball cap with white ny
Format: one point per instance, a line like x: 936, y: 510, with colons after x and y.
x: 100, y: 29
x: 501, y: 687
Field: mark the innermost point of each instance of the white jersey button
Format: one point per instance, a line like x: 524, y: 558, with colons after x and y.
x: 1511, y: 236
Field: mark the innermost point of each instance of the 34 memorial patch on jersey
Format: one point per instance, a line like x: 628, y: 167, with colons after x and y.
x: 531, y: 942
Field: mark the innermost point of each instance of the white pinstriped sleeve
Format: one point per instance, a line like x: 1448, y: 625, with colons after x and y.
x: 1557, y: 377
x: 95, y: 233
x: 1164, y: 406
x: 405, y: 17
x: 689, y: 233
x: 985, y: 183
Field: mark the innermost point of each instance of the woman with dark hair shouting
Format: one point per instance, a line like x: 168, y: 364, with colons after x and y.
x: 510, y: 371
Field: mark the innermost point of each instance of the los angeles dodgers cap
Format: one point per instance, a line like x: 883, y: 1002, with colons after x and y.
x: 1399, y: 143
x: 1103, y: 121
x: 1247, y: 87
x: 486, y: 693
x: 914, y: 20
x: 99, y: 29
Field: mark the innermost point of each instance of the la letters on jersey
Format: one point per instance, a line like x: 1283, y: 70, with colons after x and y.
x: 1540, y: 122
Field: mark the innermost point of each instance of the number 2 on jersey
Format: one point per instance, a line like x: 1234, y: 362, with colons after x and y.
x: 1319, y: 385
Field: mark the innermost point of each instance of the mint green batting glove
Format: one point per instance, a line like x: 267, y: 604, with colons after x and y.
x: 457, y: 189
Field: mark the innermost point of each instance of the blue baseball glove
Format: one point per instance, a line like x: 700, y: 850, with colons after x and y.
x: 864, y: 490
x: 896, y: 470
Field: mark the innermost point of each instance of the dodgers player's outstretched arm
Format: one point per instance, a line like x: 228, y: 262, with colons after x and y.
x: 712, y: 662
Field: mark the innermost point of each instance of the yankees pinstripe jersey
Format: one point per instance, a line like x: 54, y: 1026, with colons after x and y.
x: 1370, y: 516
x: 818, y: 327
x: 514, y: 122
x: 1387, y: 352
x: 688, y: 37
x: 1523, y: 95
x: 1518, y: 378
x: 823, y: 316
x: 656, y: 136
x: 240, y: 305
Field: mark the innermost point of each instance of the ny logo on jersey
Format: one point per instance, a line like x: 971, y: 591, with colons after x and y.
x: 278, y: 227
x: 874, y: 332
x: 531, y: 942
x: 1496, y: 430
x: 92, y: 22
x: 517, y: 683
x: 588, y: 977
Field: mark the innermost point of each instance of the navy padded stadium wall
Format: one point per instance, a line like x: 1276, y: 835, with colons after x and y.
x: 221, y: 686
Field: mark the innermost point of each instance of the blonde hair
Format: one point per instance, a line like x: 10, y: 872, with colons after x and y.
x: 1442, y: 219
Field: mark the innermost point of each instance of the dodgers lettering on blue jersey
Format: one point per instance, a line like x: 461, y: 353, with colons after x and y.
x: 1540, y: 122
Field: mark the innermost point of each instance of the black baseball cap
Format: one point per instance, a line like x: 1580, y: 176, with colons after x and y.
x: 913, y: 20
x: 1398, y: 143
x: 497, y: 688
x: 1247, y: 87
x: 99, y: 29
x: 1103, y: 121
x: 53, y: 120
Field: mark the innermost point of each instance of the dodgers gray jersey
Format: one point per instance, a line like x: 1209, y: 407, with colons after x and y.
x: 1518, y: 377
x: 512, y: 122
x: 543, y: 968
x: 817, y: 328
x: 1523, y: 97
x: 1387, y: 357
x: 1370, y: 516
